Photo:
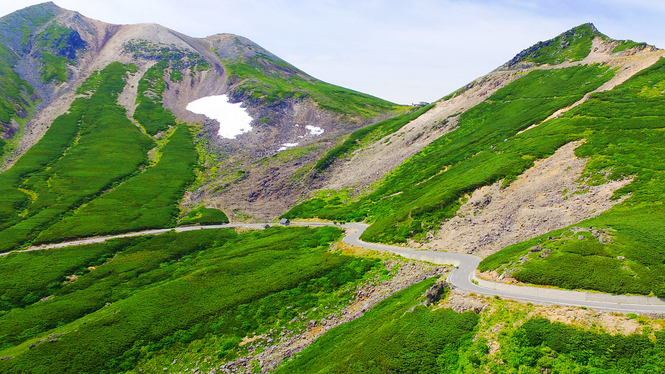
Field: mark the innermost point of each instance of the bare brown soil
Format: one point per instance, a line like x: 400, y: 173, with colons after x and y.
x: 546, y: 197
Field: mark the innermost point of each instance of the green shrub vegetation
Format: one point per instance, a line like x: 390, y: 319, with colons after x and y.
x: 268, y: 80
x: 17, y: 95
x: 55, y: 68
x: 86, y: 151
x: 533, y: 345
x: 57, y: 46
x: 573, y: 45
x: 42, y: 273
x: 204, y: 216
x: 539, y: 346
x: 367, y: 134
x: 628, y: 44
x: 396, y: 336
x: 145, y: 201
x: 427, y: 188
x: 622, y: 128
x: 160, y: 292
x: 150, y: 112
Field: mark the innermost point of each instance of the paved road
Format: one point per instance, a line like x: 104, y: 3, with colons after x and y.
x: 463, y: 277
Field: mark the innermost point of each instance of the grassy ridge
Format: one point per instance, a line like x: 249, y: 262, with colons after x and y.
x: 396, y: 336
x: 204, y: 216
x: 628, y: 44
x: 150, y: 113
x: 271, y: 81
x: 171, y: 289
x: 572, y: 45
x: 84, y: 152
x: 148, y: 200
x: 375, y: 131
x: 427, y: 188
x: 623, y: 128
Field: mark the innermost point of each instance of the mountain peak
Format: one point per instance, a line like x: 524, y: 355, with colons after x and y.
x: 572, y: 45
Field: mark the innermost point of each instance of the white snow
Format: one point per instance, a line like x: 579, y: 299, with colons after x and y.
x: 286, y: 146
x: 314, y: 130
x: 233, y: 120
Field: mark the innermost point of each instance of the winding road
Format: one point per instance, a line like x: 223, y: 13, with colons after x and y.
x: 463, y: 277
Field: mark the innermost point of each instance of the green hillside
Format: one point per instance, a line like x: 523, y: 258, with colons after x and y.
x: 297, y: 299
x: 417, y: 195
x: 623, y: 131
x: 399, y: 335
x: 396, y: 336
x: 135, y: 298
x: 92, y: 148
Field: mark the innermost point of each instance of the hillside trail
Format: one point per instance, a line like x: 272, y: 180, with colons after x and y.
x: 463, y: 277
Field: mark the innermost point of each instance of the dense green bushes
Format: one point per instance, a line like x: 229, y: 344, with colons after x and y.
x: 396, y: 336
x: 86, y: 151
x: 17, y: 93
x: 541, y: 346
x: 150, y: 113
x: 145, y: 201
x: 42, y: 273
x: 204, y: 216
x: 173, y: 288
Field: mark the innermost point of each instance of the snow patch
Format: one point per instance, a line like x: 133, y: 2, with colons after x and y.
x: 286, y: 146
x: 233, y: 120
x: 314, y: 130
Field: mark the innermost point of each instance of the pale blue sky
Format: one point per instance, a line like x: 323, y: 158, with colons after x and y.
x: 400, y: 50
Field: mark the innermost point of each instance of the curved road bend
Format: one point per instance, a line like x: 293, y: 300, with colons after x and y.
x: 461, y: 277
x: 467, y: 264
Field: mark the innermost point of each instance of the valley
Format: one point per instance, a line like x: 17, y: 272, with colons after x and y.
x: 200, y: 205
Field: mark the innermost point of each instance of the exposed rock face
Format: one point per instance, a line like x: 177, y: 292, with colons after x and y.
x: 546, y: 197
x: 434, y: 294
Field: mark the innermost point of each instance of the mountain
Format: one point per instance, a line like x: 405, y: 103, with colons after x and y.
x: 559, y: 143
x: 114, y: 187
x: 60, y: 58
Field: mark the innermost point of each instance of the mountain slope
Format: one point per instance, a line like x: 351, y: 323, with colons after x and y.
x: 432, y: 198
x: 72, y: 76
